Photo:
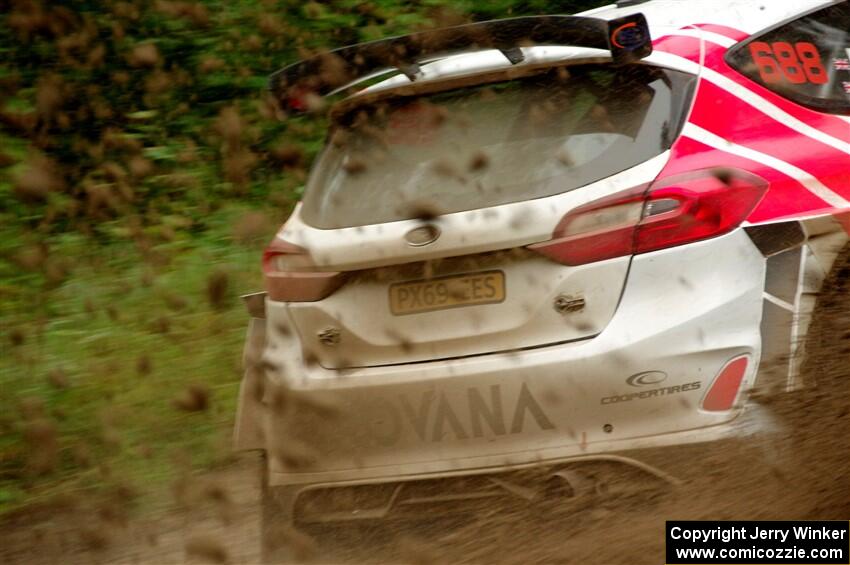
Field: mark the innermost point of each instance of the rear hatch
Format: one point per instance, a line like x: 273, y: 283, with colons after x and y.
x: 427, y: 201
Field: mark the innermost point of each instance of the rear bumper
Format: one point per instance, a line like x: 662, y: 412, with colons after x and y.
x: 685, y: 312
x: 600, y: 477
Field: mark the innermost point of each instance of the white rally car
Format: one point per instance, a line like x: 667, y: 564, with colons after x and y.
x: 545, y: 242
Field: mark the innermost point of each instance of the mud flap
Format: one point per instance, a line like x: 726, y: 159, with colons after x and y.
x: 799, y: 256
x: 248, y: 431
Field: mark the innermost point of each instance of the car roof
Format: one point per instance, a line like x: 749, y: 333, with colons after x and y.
x: 749, y: 16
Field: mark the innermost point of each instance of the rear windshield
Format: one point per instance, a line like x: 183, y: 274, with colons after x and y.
x: 493, y: 144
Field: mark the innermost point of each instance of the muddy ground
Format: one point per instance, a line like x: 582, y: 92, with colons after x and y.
x: 802, y: 473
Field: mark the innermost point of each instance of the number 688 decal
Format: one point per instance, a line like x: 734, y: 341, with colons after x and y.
x: 798, y: 63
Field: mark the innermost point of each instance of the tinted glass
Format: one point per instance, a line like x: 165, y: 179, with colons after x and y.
x: 493, y: 144
x: 806, y: 60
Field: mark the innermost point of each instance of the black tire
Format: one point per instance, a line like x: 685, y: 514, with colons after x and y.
x: 279, y: 539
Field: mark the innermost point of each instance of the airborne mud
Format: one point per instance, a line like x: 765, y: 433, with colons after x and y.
x: 801, y: 472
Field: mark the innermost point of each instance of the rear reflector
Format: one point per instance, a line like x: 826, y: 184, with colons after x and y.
x: 674, y: 211
x: 288, y: 277
x: 723, y: 392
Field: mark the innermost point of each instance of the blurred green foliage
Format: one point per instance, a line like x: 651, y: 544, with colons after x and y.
x: 141, y: 170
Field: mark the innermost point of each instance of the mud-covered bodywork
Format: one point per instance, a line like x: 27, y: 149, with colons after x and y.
x: 472, y: 327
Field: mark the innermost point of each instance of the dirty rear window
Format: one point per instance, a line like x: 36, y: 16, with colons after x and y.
x: 493, y: 144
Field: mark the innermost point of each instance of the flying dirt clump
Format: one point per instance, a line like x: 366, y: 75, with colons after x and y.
x: 479, y: 162
x: 251, y: 228
x: 144, y: 365
x: 196, y: 398
x: 144, y: 55
x: 302, y: 547
x: 58, y: 378
x: 39, y: 178
x: 42, y: 438
x: 217, y: 289
x: 206, y: 548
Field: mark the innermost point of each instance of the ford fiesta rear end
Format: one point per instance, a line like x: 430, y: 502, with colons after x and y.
x: 484, y: 274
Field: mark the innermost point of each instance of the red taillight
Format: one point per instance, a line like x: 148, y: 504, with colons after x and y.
x: 599, y: 230
x: 674, y: 211
x: 288, y: 276
x: 724, y: 390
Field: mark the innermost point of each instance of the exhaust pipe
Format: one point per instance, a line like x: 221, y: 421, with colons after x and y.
x: 576, y: 484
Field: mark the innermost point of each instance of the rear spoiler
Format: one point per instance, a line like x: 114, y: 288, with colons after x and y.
x: 627, y: 39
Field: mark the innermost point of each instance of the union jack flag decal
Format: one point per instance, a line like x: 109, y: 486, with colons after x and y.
x: 841, y: 64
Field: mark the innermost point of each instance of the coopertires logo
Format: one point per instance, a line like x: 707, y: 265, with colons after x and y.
x: 647, y: 378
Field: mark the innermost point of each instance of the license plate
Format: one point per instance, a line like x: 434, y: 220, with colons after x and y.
x: 452, y: 291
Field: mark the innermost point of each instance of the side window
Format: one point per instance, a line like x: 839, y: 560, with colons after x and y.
x: 806, y: 60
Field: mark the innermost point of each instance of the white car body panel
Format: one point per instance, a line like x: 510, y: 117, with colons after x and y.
x: 746, y: 15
